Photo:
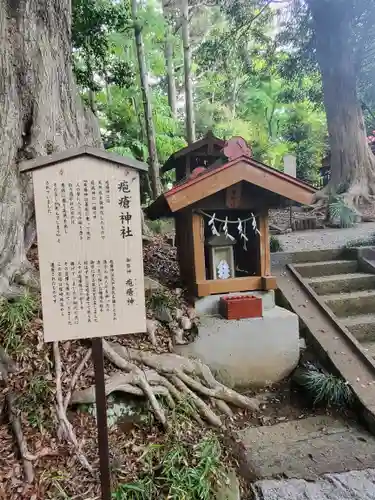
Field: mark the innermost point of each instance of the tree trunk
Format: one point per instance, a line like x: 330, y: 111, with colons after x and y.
x: 352, y: 163
x: 151, y: 143
x: 234, y: 96
x: 189, y: 102
x: 168, y: 52
x: 40, y: 113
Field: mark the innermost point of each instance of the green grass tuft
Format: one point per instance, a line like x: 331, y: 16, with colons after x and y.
x: 275, y: 244
x: 324, y: 388
x: 15, y: 316
x: 179, y: 468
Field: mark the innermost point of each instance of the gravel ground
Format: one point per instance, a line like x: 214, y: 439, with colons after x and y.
x: 325, y: 238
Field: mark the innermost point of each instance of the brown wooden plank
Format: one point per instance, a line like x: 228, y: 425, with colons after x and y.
x: 233, y: 196
x: 199, y: 270
x: 211, y: 287
x: 185, y: 251
x: 217, y: 202
x: 265, y: 259
x: 269, y: 283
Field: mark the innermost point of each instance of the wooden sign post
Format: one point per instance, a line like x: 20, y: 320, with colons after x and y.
x: 89, y: 229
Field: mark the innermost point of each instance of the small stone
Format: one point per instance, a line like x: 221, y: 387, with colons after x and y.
x: 151, y: 327
x: 163, y: 314
x: 178, y: 335
x: 178, y: 313
x: 191, y: 312
x: 186, y: 323
x: 302, y: 343
x: 230, y: 490
x: 152, y: 285
x: 265, y: 420
x: 172, y: 325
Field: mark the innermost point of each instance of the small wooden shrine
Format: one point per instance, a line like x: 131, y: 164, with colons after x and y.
x: 220, y: 204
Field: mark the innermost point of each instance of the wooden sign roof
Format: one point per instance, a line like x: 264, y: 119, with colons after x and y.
x: 71, y: 153
x: 239, y: 167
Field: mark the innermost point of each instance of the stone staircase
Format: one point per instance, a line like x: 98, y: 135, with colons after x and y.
x: 348, y: 292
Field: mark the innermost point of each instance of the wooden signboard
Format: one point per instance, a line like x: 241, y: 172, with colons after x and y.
x: 88, y: 216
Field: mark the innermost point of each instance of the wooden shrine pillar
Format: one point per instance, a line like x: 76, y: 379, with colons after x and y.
x: 198, y: 247
x: 268, y: 281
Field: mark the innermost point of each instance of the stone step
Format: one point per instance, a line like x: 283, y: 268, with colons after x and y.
x: 307, y: 448
x: 337, y: 283
x: 361, y: 326
x: 369, y: 347
x: 351, y: 304
x: 351, y: 485
x: 326, y: 268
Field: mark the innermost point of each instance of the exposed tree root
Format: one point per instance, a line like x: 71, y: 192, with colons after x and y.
x: 66, y: 429
x: 171, y: 376
x: 140, y: 379
x: 8, y: 366
x: 359, y: 193
x: 15, y: 422
x: 75, y: 378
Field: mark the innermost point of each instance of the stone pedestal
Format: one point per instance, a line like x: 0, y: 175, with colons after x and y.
x: 247, y: 352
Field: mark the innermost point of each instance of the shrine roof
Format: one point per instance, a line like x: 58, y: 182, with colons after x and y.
x: 240, y: 166
x: 71, y: 153
x: 208, y: 140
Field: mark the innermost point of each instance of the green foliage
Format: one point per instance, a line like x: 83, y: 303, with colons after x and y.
x: 143, y: 489
x: 339, y: 211
x: 324, y: 388
x: 365, y: 242
x: 15, y: 316
x: 34, y: 401
x: 241, y: 82
x: 162, y: 298
x: 275, y: 244
x: 92, y: 23
x: 179, y: 468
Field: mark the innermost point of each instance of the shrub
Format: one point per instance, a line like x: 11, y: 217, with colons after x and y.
x: 364, y: 242
x: 338, y: 210
x: 275, y: 244
x: 322, y: 387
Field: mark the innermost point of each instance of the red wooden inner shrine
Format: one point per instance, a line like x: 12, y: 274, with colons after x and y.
x: 220, y: 204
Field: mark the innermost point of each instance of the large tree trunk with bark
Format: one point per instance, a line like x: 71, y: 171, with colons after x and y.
x: 352, y: 163
x: 189, y: 100
x: 150, y: 131
x: 40, y: 113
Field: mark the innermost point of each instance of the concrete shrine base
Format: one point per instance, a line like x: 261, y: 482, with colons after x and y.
x: 247, y: 352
